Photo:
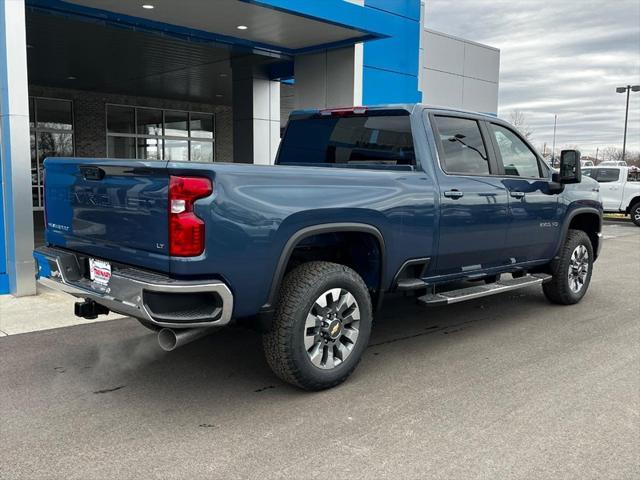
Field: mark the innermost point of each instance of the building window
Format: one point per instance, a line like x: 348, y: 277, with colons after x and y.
x: 156, y: 134
x: 51, y: 127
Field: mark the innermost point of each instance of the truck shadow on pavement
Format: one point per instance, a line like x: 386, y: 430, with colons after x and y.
x: 118, y: 366
x: 122, y: 358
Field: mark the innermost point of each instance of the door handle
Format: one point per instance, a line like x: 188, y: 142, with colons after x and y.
x: 453, y: 194
x: 517, y: 194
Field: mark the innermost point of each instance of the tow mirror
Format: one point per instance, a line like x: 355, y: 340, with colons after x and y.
x: 570, y: 168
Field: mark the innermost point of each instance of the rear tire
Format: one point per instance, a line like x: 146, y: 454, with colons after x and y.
x: 634, y: 211
x: 571, y: 270
x: 321, y: 326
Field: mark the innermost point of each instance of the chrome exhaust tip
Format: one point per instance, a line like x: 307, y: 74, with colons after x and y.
x: 170, y: 339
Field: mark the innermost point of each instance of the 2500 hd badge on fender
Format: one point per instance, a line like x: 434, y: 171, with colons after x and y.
x: 361, y: 202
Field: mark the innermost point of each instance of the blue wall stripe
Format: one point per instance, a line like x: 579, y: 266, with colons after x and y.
x: 404, y: 8
x: 391, y: 65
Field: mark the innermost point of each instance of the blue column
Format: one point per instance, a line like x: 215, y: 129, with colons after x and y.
x: 4, y: 278
x: 391, y: 65
x: 17, y: 271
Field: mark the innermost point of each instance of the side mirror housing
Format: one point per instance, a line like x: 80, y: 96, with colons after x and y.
x: 570, y: 167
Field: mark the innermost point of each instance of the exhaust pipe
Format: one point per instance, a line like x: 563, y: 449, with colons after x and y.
x: 170, y: 339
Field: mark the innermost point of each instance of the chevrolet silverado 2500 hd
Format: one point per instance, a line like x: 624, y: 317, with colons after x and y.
x: 444, y: 204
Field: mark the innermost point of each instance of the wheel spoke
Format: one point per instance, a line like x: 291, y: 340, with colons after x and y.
x: 351, y: 334
x: 312, y: 321
x: 329, y: 362
x: 345, y: 302
x: 334, y: 296
x: 309, y: 341
x: 354, y: 316
x: 343, y: 351
x: 316, y: 354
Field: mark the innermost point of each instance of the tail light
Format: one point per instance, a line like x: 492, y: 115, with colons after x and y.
x: 186, y: 230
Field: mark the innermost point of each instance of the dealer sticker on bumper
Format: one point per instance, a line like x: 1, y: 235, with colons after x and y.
x: 99, y: 271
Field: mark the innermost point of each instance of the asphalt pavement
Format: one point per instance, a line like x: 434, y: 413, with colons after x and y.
x: 507, y: 387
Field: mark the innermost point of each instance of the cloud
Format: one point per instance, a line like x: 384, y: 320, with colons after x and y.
x: 564, y: 58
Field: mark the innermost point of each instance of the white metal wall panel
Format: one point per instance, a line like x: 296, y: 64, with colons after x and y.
x: 439, y: 88
x: 481, y: 62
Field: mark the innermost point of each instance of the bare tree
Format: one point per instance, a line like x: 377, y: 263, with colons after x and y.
x: 518, y: 120
x: 612, y: 153
x: 633, y: 158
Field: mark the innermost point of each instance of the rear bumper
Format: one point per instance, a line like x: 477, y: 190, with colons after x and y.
x: 150, y: 296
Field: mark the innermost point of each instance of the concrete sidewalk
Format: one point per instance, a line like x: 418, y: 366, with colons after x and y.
x: 48, y: 309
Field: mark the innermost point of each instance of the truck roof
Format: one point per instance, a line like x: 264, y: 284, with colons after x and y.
x: 409, y: 107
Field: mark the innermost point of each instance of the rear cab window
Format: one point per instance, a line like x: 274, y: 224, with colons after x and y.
x: 462, y: 148
x: 371, y: 140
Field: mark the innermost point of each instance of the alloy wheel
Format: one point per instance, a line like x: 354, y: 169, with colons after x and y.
x: 578, y: 268
x: 331, y: 329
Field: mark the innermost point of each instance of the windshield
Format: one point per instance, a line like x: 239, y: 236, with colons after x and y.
x: 357, y: 140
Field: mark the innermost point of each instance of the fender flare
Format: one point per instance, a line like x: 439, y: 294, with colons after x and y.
x: 305, y: 232
x: 567, y: 222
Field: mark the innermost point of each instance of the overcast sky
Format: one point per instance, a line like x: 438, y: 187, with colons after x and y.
x: 565, y: 57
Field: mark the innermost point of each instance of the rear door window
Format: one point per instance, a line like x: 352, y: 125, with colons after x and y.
x: 357, y: 140
x: 462, y: 148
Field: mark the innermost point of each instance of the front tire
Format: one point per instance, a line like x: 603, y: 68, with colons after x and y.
x: 634, y: 211
x: 571, y: 270
x: 321, y: 326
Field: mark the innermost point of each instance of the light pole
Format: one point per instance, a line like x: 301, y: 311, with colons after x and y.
x: 628, y: 89
x: 553, y: 149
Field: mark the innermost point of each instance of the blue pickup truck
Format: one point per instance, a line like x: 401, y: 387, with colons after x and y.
x: 441, y: 204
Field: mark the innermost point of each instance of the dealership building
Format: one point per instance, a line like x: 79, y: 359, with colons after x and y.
x: 200, y: 81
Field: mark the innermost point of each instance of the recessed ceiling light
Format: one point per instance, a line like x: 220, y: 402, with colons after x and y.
x: 71, y: 77
x: 148, y: 6
x: 242, y: 27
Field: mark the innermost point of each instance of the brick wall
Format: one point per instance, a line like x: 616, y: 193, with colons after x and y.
x: 89, y: 118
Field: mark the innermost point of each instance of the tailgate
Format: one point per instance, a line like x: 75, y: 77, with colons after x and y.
x: 117, y: 210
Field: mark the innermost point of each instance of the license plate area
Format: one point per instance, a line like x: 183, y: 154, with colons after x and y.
x: 99, y: 271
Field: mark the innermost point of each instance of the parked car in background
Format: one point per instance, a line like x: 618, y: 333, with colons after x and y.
x: 620, y: 189
x: 613, y: 163
x: 586, y: 163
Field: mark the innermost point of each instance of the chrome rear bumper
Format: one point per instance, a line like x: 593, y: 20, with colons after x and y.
x: 147, y: 295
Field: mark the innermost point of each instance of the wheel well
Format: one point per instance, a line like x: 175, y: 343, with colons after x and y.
x: 588, y: 223
x: 632, y: 203
x: 360, y: 251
